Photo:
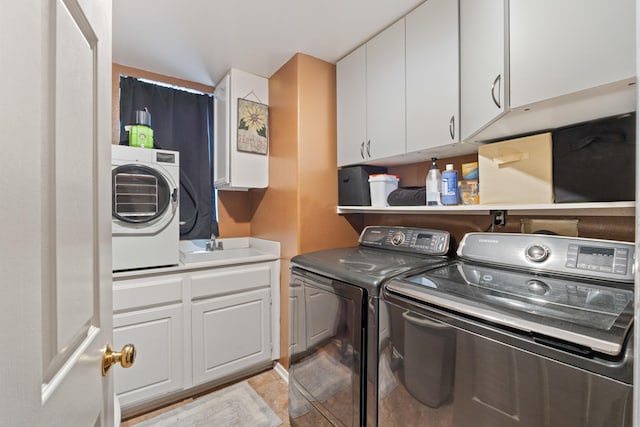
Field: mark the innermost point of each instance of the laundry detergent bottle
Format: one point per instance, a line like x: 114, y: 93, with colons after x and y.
x: 450, y: 186
x: 434, y: 179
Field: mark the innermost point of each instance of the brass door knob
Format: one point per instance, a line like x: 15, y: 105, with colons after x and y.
x: 125, y: 357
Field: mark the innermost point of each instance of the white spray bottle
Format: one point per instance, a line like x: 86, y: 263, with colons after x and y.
x: 434, y: 179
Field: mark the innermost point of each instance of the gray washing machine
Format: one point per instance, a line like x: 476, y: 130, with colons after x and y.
x: 336, y: 321
x: 520, y: 331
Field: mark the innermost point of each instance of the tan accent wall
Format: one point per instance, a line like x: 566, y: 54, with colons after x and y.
x: 320, y: 226
x: 234, y: 214
x: 276, y: 215
x: 299, y: 207
x: 276, y: 208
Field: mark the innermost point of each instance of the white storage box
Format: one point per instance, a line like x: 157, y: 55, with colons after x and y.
x: 517, y: 171
x: 380, y: 186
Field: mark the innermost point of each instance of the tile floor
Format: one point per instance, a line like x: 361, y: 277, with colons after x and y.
x: 268, y: 384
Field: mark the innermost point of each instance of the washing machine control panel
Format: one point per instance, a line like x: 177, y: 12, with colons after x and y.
x: 407, y: 239
x: 558, y: 254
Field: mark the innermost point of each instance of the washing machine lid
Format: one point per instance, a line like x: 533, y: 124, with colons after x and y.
x: 557, y: 310
x: 365, y: 267
x: 140, y: 194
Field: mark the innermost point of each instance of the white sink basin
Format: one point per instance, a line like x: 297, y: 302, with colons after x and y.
x: 194, y: 251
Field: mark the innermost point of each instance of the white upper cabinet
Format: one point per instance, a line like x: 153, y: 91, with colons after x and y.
x: 235, y: 169
x: 560, y: 47
x: 559, y: 62
x: 476, y: 71
x: 351, y: 93
x: 483, y: 79
x: 370, y: 84
x: 386, y: 93
x: 432, y: 72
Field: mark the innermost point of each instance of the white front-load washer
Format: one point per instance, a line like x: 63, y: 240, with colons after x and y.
x: 144, y: 202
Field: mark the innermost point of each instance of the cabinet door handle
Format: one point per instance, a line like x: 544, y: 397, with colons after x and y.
x: 497, y: 81
x: 369, y: 148
x: 362, y: 149
x: 452, y: 125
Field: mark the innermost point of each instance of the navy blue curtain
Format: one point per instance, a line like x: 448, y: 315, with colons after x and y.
x: 181, y: 121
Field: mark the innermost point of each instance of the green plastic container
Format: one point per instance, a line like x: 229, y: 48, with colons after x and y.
x: 141, y: 136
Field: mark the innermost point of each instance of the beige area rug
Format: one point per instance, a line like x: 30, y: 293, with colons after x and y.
x: 236, y: 405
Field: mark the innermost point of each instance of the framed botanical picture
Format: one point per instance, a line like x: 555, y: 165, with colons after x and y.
x: 253, y: 124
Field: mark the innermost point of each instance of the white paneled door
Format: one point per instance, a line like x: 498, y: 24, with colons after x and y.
x: 55, y: 226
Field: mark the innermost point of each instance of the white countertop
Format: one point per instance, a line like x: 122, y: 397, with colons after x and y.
x: 239, y: 250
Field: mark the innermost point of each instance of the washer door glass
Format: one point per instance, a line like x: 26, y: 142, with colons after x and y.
x: 140, y: 194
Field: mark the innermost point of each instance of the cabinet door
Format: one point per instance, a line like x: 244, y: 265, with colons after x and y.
x: 351, y: 94
x: 557, y: 48
x: 247, y: 170
x: 230, y: 333
x: 483, y: 83
x: 158, y: 336
x: 235, y: 169
x: 432, y: 75
x: 386, y: 93
x: 221, y: 134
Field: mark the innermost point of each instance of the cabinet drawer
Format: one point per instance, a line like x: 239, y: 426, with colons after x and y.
x: 138, y: 293
x: 230, y: 280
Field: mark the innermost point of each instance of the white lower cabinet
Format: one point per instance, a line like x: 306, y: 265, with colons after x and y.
x: 230, y: 333
x: 149, y: 314
x: 158, y: 337
x: 194, y: 327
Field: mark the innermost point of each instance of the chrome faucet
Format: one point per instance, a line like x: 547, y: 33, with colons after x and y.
x: 213, y: 244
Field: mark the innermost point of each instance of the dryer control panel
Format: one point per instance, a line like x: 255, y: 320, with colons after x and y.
x: 407, y: 239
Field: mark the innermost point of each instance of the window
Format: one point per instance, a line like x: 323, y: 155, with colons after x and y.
x: 182, y: 120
